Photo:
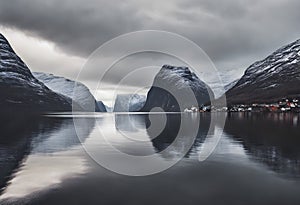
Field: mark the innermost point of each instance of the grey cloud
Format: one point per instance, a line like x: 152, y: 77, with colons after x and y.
x: 77, y: 27
x: 227, y: 9
x: 233, y: 32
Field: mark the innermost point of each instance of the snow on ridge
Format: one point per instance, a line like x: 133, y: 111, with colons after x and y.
x: 10, y: 61
x: 230, y: 85
x: 129, y: 103
x: 77, y: 91
x: 180, y: 76
x: 285, y: 54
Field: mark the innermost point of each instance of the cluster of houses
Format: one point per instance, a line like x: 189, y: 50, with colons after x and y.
x: 285, y: 105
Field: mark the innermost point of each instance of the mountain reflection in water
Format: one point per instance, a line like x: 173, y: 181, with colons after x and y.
x: 255, y: 162
x: 270, y: 138
x: 30, y: 149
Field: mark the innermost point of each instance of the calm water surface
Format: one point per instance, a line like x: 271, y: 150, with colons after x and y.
x: 257, y: 160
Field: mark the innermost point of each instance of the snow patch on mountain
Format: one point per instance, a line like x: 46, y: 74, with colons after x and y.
x: 77, y: 91
x: 129, y: 103
x: 286, y: 54
x: 275, y: 77
x: 173, y: 83
x: 20, y: 90
x: 230, y: 85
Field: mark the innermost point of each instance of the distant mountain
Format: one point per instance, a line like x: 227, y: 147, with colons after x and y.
x: 108, y: 109
x: 20, y: 90
x: 77, y: 91
x: 129, y: 103
x: 172, y: 80
x: 271, y: 79
x: 102, y: 107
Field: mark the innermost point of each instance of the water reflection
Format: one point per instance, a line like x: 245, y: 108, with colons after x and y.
x: 40, y: 172
x: 29, y: 159
x: 176, y: 133
x: 181, y: 131
x: 62, y: 136
x: 46, y: 153
x: 268, y: 138
x: 129, y: 122
x: 15, y: 142
x: 272, y: 139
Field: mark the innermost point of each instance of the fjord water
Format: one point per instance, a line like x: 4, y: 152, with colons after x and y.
x: 256, y: 161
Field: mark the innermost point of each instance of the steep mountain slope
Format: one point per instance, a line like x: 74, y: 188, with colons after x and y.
x: 129, y: 103
x: 230, y: 85
x: 271, y: 79
x: 20, y: 90
x: 101, y: 106
x: 179, y: 81
x: 77, y: 91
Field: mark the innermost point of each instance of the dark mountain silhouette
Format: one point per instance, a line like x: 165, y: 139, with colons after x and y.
x: 271, y: 79
x: 20, y: 90
x: 172, y: 90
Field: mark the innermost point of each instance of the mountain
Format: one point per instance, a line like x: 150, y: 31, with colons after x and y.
x: 129, y: 103
x: 20, y: 90
x: 77, y: 91
x: 102, y: 107
x: 271, y: 79
x: 230, y: 85
x: 108, y: 109
x: 178, y: 81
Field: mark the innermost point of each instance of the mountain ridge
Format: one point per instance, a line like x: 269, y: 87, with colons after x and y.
x: 77, y: 91
x: 275, y: 77
x: 20, y: 90
x: 179, y: 81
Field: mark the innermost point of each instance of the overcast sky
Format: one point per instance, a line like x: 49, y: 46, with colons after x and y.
x: 57, y: 36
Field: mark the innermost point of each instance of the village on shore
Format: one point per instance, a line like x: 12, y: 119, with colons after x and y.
x: 284, y: 105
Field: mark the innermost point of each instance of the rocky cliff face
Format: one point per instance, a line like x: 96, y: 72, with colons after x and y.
x: 269, y: 80
x: 129, y: 103
x: 20, y: 90
x: 176, y: 83
x: 77, y: 91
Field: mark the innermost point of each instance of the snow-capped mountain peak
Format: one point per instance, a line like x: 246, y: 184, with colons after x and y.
x: 176, y: 82
x: 268, y: 80
x: 10, y: 62
x: 288, y: 54
x: 77, y: 91
x: 129, y: 102
x: 181, y: 76
x: 20, y: 90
